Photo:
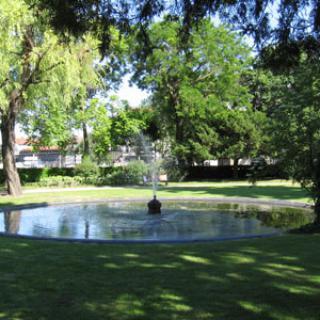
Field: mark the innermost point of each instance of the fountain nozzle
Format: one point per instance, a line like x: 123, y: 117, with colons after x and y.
x: 154, y: 206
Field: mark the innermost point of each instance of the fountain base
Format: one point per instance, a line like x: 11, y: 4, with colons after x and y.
x: 154, y: 206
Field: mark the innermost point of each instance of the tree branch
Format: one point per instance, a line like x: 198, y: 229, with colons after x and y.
x: 52, y: 67
x: 205, y: 76
x: 4, y: 82
x: 30, y: 79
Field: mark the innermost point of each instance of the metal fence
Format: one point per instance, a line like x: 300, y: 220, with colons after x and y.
x: 48, y: 160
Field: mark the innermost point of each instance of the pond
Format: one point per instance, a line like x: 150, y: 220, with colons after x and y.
x: 129, y: 221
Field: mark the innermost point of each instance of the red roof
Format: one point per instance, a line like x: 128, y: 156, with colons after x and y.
x: 30, y: 149
x: 28, y: 146
x: 22, y: 141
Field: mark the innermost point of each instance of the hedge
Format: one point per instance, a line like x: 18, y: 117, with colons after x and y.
x: 194, y: 173
x: 35, y: 174
x: 227, y: 172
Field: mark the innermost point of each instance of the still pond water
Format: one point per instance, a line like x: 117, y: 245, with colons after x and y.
x: 130, y: 221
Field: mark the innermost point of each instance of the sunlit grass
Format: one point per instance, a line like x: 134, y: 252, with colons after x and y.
x: 228, y: 183
x: 273, y: 189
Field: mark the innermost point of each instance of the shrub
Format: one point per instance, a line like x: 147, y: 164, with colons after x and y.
x: 87, y: 168
x: 60, y: 181
x: 65, y: 181
x: 103, y: 180
x: 30, y: 175
x: 131, y: 174
x: 173, y: 170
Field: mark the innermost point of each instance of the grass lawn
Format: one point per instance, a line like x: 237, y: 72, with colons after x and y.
x: 274, y: 189
x: 272, y: 278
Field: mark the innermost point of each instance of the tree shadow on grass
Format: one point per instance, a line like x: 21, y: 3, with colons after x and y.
x: 281, y: 193
x: 274, y: 278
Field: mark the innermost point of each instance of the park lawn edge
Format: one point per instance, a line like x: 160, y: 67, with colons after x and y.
x: 272, y: 190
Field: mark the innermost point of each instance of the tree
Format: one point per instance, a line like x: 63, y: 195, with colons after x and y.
x: 241, y: 133
x: 297, y: 20
x: 52, y: 123
x: 36, y: 71
x: 127, y: 123
x: 196, y: 88
x: 98, y: 76
x: 90, y: 80
x: 150, y: 117
x: 295, y: 129
x: 93, y: 77
x: 100, y: 123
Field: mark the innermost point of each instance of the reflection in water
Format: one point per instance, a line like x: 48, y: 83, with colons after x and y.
x: 87, y: 230
x: 12, y: 221
x: 288, y: 218
x: 129, y: 221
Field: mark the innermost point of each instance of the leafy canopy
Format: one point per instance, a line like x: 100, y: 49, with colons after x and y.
x: 197, y: 88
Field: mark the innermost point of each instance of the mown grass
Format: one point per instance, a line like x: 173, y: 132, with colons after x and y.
x: 274, y: 189
x: 274, y: 278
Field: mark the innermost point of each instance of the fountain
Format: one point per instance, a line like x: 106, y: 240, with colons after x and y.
x: 154, y: 206
x: 128, y: 221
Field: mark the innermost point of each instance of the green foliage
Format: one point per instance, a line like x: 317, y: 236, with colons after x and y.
x: 40, y: 75
x: 241, y: 133
x: 67, y: 101
x: 87, y: 168
x: 198, y: 91
x: 97, y: 77
x: 60, y: 181
x: 65, y: 181
x: 132, y: 174
x: 295, y: 124
x: 173, y: 170
x: 257, y: 169
x: 31, y: 175
x: 125, y: 125
x: 101, y: 133
x: 57, y: 104
x: 266, y: 21
x: 15, y: 19
x: 294, y: 117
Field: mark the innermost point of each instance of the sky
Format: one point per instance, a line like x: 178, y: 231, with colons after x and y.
x: 131, y: 93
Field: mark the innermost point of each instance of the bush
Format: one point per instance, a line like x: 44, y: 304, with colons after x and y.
x: 60, y: 181
x: 31, y: 175
x: 173, y: 170
x: 131, y: 174
x: 87, y: 169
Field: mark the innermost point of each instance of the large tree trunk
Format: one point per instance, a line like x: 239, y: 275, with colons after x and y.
x: 178, y: 122
x: 236, y: 168
x: 8, y: 120
x: 86, y: 145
